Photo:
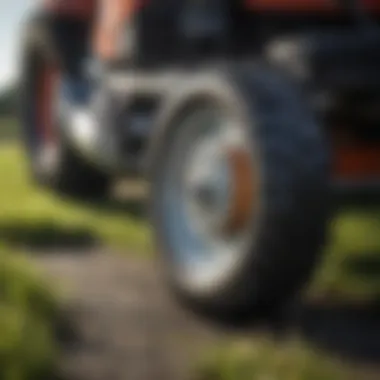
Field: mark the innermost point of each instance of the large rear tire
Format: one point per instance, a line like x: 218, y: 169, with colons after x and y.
x: 248, y: 239
x: 47, y: 60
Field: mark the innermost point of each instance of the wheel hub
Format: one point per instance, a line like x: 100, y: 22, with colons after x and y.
x: 208, y: 194
x: 220, y: 182
x: 243, y: 191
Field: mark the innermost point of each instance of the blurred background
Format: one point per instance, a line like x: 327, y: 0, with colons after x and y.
x: 80, y: 296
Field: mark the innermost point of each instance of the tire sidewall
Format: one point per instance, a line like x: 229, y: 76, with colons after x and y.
x: 253, y: 279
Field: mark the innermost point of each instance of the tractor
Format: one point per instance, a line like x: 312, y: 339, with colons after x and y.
x: 244, y: 116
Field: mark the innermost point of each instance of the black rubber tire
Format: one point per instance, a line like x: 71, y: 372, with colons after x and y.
x: 70, y: 174
x: 293, y: 162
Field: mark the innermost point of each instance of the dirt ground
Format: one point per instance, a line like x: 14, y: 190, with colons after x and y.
x: 124, y: 325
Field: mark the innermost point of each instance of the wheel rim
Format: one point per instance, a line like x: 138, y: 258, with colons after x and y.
x: 208, y: 196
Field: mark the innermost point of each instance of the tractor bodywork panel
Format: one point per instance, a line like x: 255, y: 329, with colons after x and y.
x: 73, y: 8
x: 306, y: 5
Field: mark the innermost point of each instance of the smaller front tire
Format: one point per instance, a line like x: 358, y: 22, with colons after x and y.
x: 53, y: 161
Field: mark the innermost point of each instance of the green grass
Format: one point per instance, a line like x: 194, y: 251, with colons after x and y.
x: 27, y: 317
x: 351, y: 262
x: 268, y: 360
x: 28, y: 305
x: 8, y: 128
x: 32, y: 217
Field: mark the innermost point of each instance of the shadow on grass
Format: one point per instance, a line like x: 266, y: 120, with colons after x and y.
x: 121, y: 204
x: 350, y: 330
x: 131, y: 208
x: 366, y: 267
x: 347, y: 328
x: 46, y: 235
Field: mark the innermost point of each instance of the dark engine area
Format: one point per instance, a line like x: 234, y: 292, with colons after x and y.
x: 337, y: 54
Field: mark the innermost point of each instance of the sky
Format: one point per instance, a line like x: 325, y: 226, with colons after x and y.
x: 12, y: 14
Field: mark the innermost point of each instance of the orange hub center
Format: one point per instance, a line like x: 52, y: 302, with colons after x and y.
x: 243, y: 190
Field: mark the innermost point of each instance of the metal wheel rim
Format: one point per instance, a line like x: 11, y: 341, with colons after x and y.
x: 202, y: 254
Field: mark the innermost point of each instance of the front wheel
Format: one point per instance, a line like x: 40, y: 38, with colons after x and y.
x: 53, y: 161
x: 239, y: 191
